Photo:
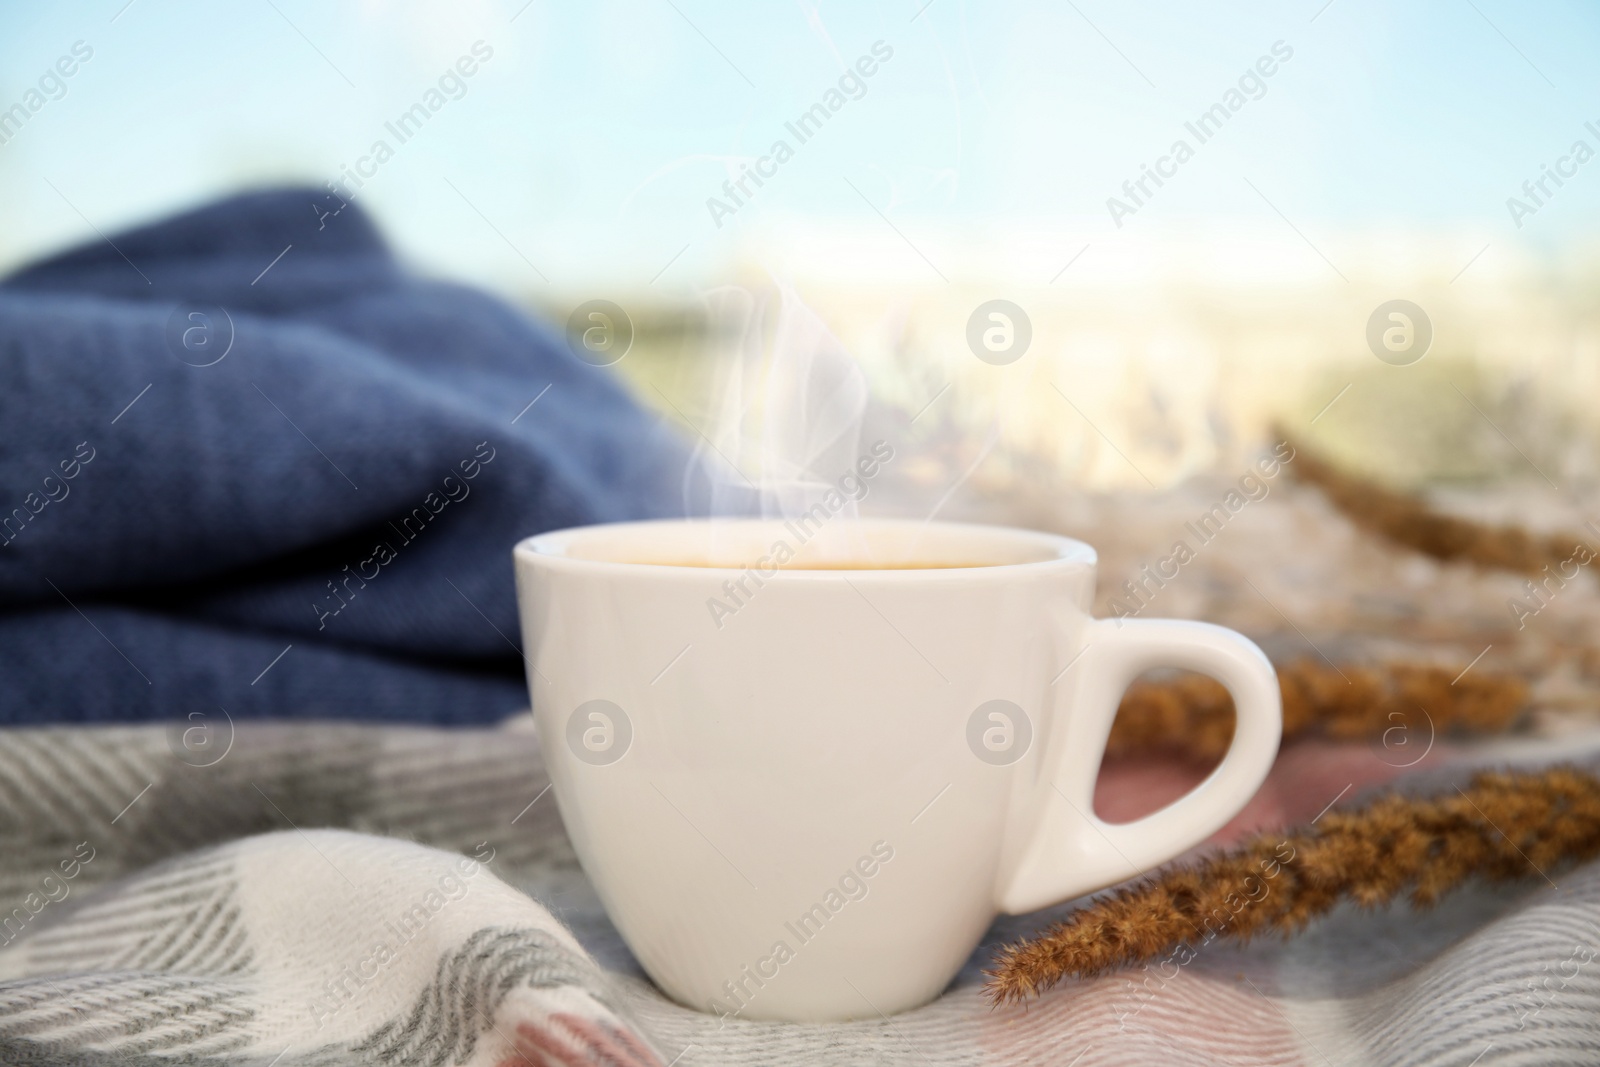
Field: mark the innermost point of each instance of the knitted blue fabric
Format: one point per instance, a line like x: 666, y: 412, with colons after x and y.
x: 202, y: 464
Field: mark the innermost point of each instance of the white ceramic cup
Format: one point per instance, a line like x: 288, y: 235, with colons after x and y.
x: 810, y: 802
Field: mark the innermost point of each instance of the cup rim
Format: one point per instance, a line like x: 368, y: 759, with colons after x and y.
x: 549, y: 550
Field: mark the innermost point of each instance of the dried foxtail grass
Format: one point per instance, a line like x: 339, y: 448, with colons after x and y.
x: 1504, y: 827
x: 1193, y: 715
x: 1407, y: 520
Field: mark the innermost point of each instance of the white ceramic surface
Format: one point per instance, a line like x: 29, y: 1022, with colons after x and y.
x: 810, y: 802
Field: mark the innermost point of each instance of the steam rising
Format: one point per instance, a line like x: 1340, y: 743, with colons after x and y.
x: 786, y: 424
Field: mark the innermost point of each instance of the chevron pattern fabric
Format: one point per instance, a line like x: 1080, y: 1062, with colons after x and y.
x: 331, y: 894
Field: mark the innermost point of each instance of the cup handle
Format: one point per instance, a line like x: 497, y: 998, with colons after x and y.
x: 1070, y: 851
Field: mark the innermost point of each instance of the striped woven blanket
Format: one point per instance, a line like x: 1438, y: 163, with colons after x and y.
x: 326, y: 894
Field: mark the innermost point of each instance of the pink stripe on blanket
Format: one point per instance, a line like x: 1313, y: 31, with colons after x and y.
x: 1307, y: 777
x: 570, y: 1040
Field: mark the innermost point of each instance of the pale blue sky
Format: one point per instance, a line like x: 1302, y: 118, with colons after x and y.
x: 594, y: 135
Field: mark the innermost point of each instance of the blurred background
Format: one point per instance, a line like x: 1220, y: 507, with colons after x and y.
x: 586, y: 156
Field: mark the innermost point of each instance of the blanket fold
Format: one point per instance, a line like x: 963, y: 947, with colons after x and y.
x: 252, y: 423
x: 311, y: 947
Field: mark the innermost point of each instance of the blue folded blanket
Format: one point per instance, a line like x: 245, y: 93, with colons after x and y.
x: 247, y: 429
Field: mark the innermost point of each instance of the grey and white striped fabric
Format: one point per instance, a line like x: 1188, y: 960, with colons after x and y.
x: 337, y: 894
